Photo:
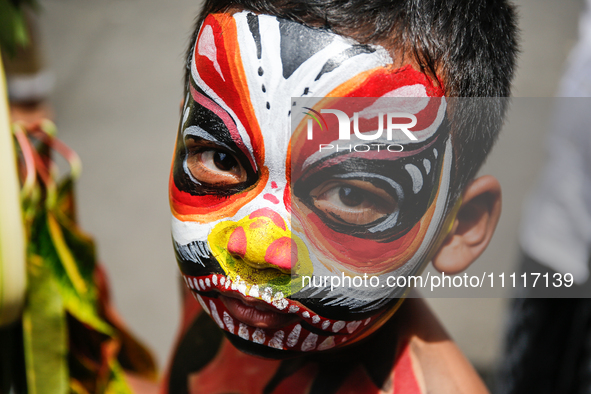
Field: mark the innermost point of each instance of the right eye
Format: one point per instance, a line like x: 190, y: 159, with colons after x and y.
x: 353, y: 202
x: 214, y: 166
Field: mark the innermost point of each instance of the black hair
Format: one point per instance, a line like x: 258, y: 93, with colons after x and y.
x: 469, y: 46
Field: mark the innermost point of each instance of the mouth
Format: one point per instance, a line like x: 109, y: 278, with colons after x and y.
x: 268, y: 319
x: 255, y: 313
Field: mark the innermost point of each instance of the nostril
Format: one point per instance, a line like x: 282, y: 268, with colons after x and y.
x: 237, y: 242
x: 282, y: 253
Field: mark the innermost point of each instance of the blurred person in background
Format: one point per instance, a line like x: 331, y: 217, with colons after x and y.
x: 548, y: 340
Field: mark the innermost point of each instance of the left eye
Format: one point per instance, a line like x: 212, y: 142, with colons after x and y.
x: 353, y: 202
x: 215, y: 167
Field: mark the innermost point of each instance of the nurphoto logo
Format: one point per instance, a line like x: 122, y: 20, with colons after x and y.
x: 394, y: 121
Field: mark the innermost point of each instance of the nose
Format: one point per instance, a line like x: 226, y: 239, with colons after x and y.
x: 262, y: 241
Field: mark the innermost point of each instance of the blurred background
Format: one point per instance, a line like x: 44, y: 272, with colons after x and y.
x: 118, y: 67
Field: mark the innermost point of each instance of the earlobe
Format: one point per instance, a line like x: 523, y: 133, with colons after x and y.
x: 473, y: 228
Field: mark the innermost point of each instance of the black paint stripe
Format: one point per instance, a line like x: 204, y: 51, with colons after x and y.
x: 347, y: 54
x: 253, y: 25
x: 299, y: 43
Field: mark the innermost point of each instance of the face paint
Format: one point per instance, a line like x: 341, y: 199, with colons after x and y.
x: 256, y: 210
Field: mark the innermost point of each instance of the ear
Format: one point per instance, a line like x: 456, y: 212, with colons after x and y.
x: 473, y: 227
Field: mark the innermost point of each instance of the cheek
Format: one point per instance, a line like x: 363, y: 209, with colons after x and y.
x: 355, y: 255
x: 359, y: 255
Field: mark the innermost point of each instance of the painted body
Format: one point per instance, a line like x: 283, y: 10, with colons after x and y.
x: 257, y: 206
x: 411, y: 354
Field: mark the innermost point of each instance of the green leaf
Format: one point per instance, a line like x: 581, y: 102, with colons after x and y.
x: 45, y: 333
x: 117, y: 383
x: 13, y: 30
x: 78, y: 301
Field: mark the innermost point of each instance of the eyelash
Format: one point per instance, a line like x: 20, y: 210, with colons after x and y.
x: 353, y: 202
x: 204, y: 163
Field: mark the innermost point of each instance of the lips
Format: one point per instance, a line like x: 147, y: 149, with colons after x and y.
x: 256, y: 313
x: 267, y: 319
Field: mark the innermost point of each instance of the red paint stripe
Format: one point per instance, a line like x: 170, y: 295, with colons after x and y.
x: 233, y: 89
x: 272, y: 198
x: 405, y: 381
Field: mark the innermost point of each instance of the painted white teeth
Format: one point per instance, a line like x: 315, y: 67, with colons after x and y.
x: 293, y: 336
x: 258, y: 336
x: 205, y: 308
x: 207, y: 283
x: 254, y: 291
x: 196, y: 283
x: 310, y: 342
x: 233, y: 285
x: 279, y: 301
x: 267, y: 294
x: 328, y: 343
x: 222, y: 280
x: 242, y: 288
x: 325, y: 324
x: 366, y: 322
x: 277, y: 340
x: 229, y: 322
x: 228, y: 284
x: 280, y: 304
x: 338, y: 326
x: 214, y: 279
x: 306, y: 314
x: 214, y: 314
x: 315, y: 319
x: 243, y: 331
x: 351, y: 327
x: 201, y: 284
x: 293, y: 309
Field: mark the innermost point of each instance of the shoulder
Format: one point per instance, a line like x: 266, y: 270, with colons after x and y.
x: 438, y: 365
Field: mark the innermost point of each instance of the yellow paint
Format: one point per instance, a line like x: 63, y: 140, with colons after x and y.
x: 252, y: 268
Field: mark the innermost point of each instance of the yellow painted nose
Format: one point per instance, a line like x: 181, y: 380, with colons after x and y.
x: 260, y: 250
x: 262, y: 241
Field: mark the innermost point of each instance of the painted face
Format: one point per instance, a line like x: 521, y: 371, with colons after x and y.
x: 264, y: 220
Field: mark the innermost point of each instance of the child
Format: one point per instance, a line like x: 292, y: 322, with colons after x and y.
x: 259, y: 214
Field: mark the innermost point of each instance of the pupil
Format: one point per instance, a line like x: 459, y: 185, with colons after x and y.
x: 351, y: 197
x: 224, y: 161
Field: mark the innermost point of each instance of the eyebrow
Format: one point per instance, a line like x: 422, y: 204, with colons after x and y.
x: 225, y: 129
x: 197, y: 131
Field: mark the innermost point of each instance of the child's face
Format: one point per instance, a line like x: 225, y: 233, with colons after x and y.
x: 256, y: 208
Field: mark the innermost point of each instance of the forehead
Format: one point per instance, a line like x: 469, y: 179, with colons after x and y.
x: 252, y: 65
